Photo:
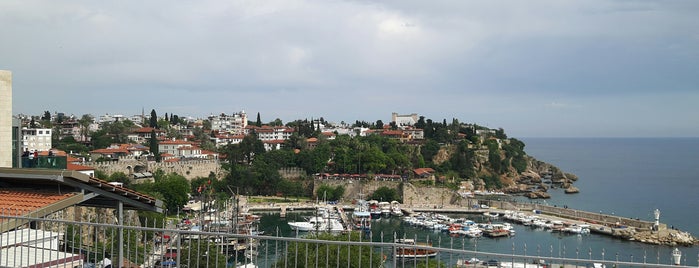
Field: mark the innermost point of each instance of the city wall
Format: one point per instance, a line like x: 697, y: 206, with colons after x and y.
x: 190, y: 169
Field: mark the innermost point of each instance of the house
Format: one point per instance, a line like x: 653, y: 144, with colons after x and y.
x: 269, y: 133
x: 423, y: 173
x: 180, y: 149
x: 234, y: 124
x: 142, y: 135
x: 115, y: 151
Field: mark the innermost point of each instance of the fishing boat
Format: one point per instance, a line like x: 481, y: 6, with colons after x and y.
x: 361, y: 217
x: 411, y: 249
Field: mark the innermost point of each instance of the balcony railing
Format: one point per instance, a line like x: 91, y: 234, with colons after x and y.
x: 96, y: 244
x: 52, y: 162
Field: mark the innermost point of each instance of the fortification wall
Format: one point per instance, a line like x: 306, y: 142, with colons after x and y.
x: 292, y: 173
x: 189, y: 169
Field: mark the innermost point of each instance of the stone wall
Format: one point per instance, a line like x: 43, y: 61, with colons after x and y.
x: 591, y: 216
x: 190, y: 169
x: 292, y: 173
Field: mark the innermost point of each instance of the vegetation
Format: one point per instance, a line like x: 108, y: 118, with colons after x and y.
x: 455, y: 150
x: 325, y: 255
x: 329, y: 193
x: 386, y: 194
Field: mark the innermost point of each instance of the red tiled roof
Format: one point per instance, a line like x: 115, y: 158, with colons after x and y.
x: 110, y: 151
x: 147, y: 130
x: 312, y: 140
x: 20, y: 202
x: 76, y: 167
x: 422, y: 171
x: 175, y: 142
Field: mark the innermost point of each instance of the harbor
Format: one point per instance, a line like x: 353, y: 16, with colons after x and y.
x: 651, y: 232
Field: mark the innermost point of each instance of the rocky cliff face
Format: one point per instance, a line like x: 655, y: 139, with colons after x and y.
x: 538, y: 178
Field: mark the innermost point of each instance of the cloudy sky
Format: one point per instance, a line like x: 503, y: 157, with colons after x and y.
x: 592, y: 68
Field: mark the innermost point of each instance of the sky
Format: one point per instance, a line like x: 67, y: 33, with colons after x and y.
x: 591, y: 68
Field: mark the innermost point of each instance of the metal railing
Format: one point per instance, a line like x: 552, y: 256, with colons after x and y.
x: 47, y: 242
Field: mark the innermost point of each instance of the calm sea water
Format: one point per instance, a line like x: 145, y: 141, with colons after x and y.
x: 627, y: 177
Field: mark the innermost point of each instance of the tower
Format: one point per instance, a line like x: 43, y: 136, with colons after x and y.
x: 6, y: 143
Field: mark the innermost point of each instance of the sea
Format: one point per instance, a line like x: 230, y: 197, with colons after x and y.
x: 630, y: 177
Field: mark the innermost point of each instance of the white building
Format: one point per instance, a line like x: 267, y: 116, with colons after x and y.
x: 268, y: 133
x: 36, y: 139
x: 5, y: 118
x: 404, y: 120
x: 180, y: 149
x: 234, y: 123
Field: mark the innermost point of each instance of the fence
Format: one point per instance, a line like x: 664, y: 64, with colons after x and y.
x: 46, y: 242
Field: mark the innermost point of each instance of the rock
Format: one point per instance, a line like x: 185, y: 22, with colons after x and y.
x: 572, y: 190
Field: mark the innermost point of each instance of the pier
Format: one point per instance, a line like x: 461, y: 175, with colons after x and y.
x: 612, y: 225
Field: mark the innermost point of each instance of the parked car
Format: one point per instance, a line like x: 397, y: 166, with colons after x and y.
x: 171, y: 253
x: 490, y: 263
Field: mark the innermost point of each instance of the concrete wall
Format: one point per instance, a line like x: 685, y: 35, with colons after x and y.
x: 5, y: 118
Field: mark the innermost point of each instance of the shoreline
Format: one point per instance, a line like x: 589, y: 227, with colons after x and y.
x: 610, y: 225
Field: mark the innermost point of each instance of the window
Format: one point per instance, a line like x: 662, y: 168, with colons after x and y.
x: 41, y: 132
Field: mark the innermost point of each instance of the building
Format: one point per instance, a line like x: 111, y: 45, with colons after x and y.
x: 234, y: 124
x: 404, y: 120
x: 36, y: 139
x: 5, y: 118
x: 16, y: 142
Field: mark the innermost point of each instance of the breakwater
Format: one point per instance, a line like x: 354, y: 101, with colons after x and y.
x: 611, y: 225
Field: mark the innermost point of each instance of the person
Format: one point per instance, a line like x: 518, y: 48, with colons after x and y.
x: 36, y: 157
x: 51, y: 160
x: 25, y: 158
x: 31, y: 159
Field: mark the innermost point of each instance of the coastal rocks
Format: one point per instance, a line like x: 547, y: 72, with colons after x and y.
x: 572, y: 190
x: 665, y: 237
x: 538, y: 195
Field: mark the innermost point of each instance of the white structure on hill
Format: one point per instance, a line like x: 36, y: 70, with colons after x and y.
x: 5, y: 118
x: 404, y: 120
x: 234, y: 124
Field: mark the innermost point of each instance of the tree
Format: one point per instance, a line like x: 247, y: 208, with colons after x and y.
x: 379, y: 124
x: 153, y: 119
x: 301, y: 254
x: 386, y: 194
x: 258, y: 123
x: 154, y: 146
x: 84, y: 123
x: 174, y: 188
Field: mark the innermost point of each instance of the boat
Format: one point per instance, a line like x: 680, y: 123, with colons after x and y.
x: 374, y: 209
x: 409, y: 248
x: 317, y: 223
x: 385, y: 208
x: 361, y: 218
x: 396, y: 210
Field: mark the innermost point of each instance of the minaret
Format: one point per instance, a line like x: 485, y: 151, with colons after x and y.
x: 657, y: 219
x: 6, y: 118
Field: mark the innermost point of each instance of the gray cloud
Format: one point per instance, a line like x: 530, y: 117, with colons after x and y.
x: 480, y: 61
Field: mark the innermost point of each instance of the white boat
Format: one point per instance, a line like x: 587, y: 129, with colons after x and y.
x: 385, y: 208
x: 361, y: 218
x: 320, y: 224
x: 396, y: 210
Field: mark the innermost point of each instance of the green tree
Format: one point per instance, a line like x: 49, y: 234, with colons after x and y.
x: 258, y: 123
x: 174, y: 188
x: 153, y: 119
x: 301, y: 254
x: 379, y: 124
x: 154, y: 146
x: 84, y: 123
x: 386, y: 194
